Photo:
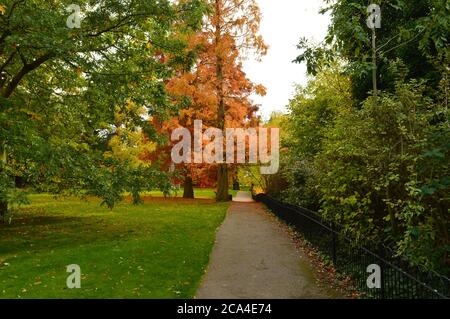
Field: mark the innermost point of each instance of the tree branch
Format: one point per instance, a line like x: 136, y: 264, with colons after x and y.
x: 7, y: 61
x: 9, y: 89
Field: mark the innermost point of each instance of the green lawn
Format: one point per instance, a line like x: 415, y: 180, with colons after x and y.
x: 156, y: 250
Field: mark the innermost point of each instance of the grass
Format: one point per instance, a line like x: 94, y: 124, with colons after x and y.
x: 156, y: 250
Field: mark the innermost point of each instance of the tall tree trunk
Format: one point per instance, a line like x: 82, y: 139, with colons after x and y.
x: 374, y: 66
x: 222, y: 172
x: 3, y: 209
x: 223, y: 194
x: 236, y: 184
x: 3, y: 203
x: 188, y: 191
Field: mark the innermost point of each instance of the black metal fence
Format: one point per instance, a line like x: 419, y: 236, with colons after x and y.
x: 397, y: 280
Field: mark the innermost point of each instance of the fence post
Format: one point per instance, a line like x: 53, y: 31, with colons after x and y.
x: 334, y: 244
x: 383, y: 281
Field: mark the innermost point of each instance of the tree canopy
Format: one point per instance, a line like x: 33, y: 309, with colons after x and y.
x: 63, y: 87
x: 413, y: 32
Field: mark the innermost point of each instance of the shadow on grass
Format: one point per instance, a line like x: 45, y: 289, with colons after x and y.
x: 174, y: 200
x: 32, y: 221
x: 37, y: 233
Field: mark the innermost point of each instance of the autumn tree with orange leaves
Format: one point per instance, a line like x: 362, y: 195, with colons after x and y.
x: 218, y: 88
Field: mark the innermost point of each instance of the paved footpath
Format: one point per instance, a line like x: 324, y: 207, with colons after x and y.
x: 255, y: 258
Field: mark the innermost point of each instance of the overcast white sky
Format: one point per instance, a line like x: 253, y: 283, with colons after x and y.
x: 284, y: 23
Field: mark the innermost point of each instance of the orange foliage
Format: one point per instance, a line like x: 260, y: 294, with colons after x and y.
x: 218, y: 88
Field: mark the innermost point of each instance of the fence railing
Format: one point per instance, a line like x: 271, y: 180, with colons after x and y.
x: 397, y: 279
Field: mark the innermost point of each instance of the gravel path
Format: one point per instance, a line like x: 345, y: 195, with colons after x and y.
x: 255, y: 258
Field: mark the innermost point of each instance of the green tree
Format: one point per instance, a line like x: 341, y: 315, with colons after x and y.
x: 379, y: 166
x: 312, y: 113
x: 373, y: 175
x: 60, y: 87
x: 415, y: 32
